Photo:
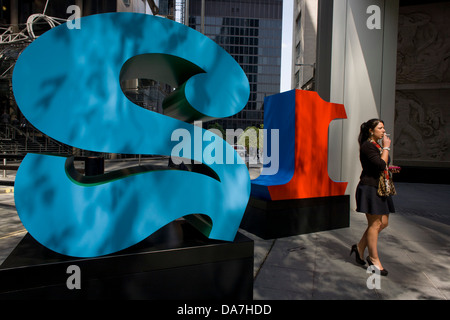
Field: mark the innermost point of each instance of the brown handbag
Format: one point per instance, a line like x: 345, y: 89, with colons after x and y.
x: 386, y: 186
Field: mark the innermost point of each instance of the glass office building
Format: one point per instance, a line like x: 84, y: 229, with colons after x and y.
x: 250, y: 31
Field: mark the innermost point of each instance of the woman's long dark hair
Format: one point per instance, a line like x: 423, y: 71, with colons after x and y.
x: 364, y: 133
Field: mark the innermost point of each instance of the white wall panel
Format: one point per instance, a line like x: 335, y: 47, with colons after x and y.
x: 362, y: 78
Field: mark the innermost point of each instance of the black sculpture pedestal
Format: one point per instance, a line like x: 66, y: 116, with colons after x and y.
x: 283, y: 218
x: 177, y: 262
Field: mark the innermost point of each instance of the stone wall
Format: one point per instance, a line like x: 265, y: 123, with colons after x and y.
x: 422, y: 107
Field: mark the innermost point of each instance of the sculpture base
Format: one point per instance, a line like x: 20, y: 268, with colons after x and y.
x: 283, y: 218
x: 176, y: 262
x: 416, y: 174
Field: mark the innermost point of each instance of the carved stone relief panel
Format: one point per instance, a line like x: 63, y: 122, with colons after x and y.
x: 422, y: 110
x: 422, y: 126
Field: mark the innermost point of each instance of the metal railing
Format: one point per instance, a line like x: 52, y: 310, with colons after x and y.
x: 26, y: 139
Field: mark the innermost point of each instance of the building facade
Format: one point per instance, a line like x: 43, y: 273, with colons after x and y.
x: 17, y: 16
x: 385, y: 59
x: 250, y: 31
x: 304, y: 44
x: 422, y: 109
x: 21, y: 22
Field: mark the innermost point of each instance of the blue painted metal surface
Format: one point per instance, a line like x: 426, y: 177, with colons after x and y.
x: 279, y: 114
x: 67, y: 84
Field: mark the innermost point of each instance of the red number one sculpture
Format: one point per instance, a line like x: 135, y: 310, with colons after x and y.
x: 302, y: 118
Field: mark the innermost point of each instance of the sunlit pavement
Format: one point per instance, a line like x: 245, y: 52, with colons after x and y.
x: 415, y: 249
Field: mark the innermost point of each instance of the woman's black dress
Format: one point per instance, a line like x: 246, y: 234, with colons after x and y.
x: 367, y: 199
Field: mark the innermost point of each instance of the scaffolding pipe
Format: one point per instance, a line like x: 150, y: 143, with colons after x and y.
x: 186, y: 15
x: 203, y: 17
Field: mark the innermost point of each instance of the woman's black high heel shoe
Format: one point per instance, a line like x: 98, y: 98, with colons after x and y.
x: 358, y: 258
x: 383, y: 272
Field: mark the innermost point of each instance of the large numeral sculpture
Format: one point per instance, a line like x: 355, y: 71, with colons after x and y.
x: 302, y: 118
x: 67, y: 84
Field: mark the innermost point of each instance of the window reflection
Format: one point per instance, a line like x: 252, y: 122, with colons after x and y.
x: 250, y: 31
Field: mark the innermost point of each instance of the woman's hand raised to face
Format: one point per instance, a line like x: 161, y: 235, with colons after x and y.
x: 386, y: 141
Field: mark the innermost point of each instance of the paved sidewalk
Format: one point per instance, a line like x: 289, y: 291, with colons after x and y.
x: 415, y: 248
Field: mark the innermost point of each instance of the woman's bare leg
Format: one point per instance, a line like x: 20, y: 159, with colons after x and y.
x: 376, y: 223
x: 362, y: 244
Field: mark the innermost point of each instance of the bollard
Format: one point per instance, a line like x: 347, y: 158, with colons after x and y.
x: 4, y: 170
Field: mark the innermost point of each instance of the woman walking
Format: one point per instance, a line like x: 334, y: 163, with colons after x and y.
x: 374, y: 160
